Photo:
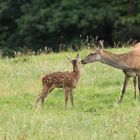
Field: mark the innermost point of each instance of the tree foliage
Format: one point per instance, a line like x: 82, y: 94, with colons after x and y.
x: 34, y: 24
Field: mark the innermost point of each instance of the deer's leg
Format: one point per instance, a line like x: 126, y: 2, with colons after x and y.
x: 43, y: 95
x: 134, y: 82
x: 126, y: 79
x: 66, y: 97
x: 139, y: 85
x: 71, y: 97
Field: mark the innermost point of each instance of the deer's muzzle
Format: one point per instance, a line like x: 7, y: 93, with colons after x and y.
x: 83, y: 61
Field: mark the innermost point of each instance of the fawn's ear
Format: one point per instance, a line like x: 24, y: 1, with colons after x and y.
x: 78, y: 57
x: 101, y: 44
x: 69, y: 59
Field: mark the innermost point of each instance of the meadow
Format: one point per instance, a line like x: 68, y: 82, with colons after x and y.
x: 96, y: 115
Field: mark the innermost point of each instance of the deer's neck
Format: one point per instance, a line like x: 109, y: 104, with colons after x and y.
x: 113, y: 60
x: 76, y: 72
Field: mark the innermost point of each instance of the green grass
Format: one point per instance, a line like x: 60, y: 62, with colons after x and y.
x: 96, y: 115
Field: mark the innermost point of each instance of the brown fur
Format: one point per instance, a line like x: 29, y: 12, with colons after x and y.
x: 129, y: 63
x: 60, y: 79
x: 66, y: 80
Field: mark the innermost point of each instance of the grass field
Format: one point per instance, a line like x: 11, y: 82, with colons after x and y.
x: 96, y: 115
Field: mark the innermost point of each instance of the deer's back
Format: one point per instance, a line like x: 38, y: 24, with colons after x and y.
x: 136, y: 47
x: 132, y: 61
x: 59, y: 79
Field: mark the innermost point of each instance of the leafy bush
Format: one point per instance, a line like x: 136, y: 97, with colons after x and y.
x: 36, y: 24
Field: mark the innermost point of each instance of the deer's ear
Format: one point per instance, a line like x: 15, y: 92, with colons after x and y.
x: 78, y: 57
x: 101, y: 44
x: 69, y: 59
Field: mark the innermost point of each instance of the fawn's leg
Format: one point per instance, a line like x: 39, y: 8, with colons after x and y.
x: 126, y: 79
x: 66, y: 97
x: 134, y: 82
x: 40, y: 97
x: 71, y: 97
x: 43, y: 95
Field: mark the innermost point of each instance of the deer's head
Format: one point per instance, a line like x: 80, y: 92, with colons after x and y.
x: 95, y: 55
x: 75, y: 62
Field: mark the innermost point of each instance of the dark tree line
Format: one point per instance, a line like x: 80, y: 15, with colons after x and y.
x: 35, y: 24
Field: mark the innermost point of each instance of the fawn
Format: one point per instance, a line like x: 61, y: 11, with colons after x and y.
x: 66, y: 80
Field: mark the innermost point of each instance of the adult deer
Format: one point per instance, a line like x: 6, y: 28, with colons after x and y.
x: 66, y: 80
x: 129, y: 63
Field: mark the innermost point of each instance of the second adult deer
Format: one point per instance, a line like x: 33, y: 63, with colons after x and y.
x: 129, y: 63
x: 66, y: 80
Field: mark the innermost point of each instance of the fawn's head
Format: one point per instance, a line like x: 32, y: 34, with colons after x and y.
x: 75, y: 62
x: 95, y: 55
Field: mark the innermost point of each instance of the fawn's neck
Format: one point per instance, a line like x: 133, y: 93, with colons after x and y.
x: 76, y: 71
